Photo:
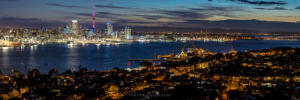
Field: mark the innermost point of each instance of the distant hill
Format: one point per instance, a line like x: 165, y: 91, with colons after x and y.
x: 173, y: 29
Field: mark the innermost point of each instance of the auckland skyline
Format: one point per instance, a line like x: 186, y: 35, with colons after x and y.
x: 259, y: 15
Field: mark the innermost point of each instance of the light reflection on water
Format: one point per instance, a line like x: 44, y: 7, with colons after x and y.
x: 5, y: 57
x: 105, y: 57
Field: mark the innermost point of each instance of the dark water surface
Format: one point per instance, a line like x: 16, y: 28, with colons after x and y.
x: 63, y: 56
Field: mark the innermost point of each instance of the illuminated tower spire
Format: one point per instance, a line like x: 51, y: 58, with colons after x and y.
x: 94, y: 17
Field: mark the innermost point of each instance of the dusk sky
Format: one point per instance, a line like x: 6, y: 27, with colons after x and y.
x: 263, y: 15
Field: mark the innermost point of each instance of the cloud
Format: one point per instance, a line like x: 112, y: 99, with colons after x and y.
x: 109, y: 14
x: 219, y: 11
x: 10, y: 0
x: 257, y: 25
x: 114, y: 7
x: 159, y: 15
x: 100, y: 14
x: 287, y: 16
x: 83, y: 14
x: 27, y: 22
x: 18, y: 19
x: 215, y: 8
x: 185, y: 14
x: 64, y: 6
x: 153, y: 17
x: 260, y: 2
x: 275, y: 8
x: 247, y: 24
x: 197, y: 25
x: 203, y: 12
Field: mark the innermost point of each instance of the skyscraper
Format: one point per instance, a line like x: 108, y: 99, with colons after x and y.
x: 128, y: 33
x: 75, y: 27
x: 91, y: 32
x: 67, y: 30
x: 109, y: 28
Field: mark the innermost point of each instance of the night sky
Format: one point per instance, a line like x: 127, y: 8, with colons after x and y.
x: 262, y: 15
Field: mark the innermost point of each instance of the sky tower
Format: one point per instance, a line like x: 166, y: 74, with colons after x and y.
x: 94, y: 16
x: 92, y: 30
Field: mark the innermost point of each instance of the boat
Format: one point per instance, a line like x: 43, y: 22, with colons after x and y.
x: 14, y: 44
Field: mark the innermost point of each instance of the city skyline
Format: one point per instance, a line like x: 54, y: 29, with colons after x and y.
x: 259, y: 15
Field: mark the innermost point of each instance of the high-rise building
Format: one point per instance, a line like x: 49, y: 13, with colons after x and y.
x: 91, y: 32
x: 67, y: 30
x: 75, y: 27
x: 127, y: 32
x: 116, y: 34
x: 109, y: 29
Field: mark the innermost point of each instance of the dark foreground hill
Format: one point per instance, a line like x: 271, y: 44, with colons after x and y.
x: 254, y: 75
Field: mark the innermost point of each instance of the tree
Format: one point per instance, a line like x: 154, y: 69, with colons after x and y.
x: 34, y: 73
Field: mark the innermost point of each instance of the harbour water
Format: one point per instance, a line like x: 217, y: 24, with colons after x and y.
x: 105, y: 57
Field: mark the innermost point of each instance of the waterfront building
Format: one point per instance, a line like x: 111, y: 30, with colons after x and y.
x: 109, y: 30
x: 75, y: 27
x: 91, y: 32
x: 67, y: 30
x: 116, y: 34
x: 127, y: 32
x: 6, y: 37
